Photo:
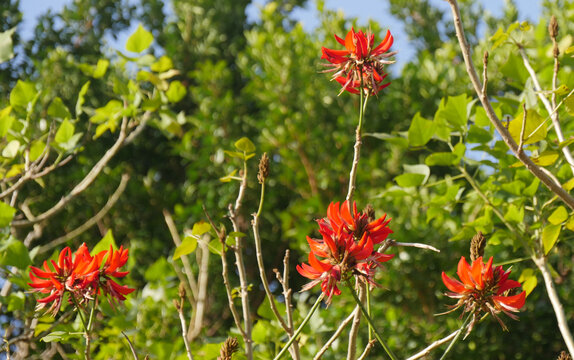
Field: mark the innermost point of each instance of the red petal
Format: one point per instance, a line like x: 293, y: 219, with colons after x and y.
x: 453, y: 284
x: 350, y: 41
x: 385, y: 45
x: 464, y: 273
x: 512, y: 303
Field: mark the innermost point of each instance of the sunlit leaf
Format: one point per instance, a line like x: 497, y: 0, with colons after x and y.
x: 7, y: 213
x: 550, y: 235
x: 59, y: 110
x: 101, y: 68
x: 528, y: 280
x: 11, y: 149
x: 176, y: 91
x: 65, y: 132
x: 558, y: 216
x: 6, y: 45
x: 140, y: 40
x: 534, y: 127
x: 245, y: 145
x: 421, y: 131
x: 187, y: 246
x: 22, y: 94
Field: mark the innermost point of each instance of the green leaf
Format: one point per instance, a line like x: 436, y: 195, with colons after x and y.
x: 176, y: 91
x: 59, y: 110
x: 455, y: 111
x: 420, y: 131
x: 215, y: 247
x: 532, y: 188
x: 11, y: 150
x: 550, y: 235
x: 7, y: 213
x: 56, y: 336
x: 200, y: 228
x: 6, y: 46
x: 570, y: 50
x: 187, y: 246
x: 36, y: 150
x: 245, y: 145
x: 498, y: 38
x: 22, y: 94
x: 163, y: 64
x: 570, y: 223
x: 392, y: 139
x: 442, y: 159
x: 478, y: 135
x: 104, y: 243
x: 6, y: 120
x: 528, y: 280
x: 139, y: 41
x: 547, y: 158
x: 514, y: 214
x: 65, y: 132
x: 101, y: 68
x: 558, y: 216
x: 409, y: 180
x: 81, y: 98
x: 14, y: 253
x: 534, y: 129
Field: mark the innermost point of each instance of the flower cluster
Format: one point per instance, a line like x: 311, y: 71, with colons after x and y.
x: 483, y: 288
x: 346, y: 248
x: 81, y: 275
x: 360, y: 65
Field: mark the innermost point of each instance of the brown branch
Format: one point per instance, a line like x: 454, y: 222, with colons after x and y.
x: 92, y: 221
x: 528, y: 163
x: 352, y: 347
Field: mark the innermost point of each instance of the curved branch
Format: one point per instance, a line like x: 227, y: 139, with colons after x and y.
x: 520, y: 155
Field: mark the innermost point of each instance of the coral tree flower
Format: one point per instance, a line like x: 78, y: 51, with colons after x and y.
x: 484, y: 288
x: 361, y: 64
x: 80, y: 275
x: 346, y: 249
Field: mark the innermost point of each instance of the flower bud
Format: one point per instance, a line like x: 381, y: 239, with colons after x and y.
x: 263, y: 168
x: 477, y: 245
x: 553, y: 27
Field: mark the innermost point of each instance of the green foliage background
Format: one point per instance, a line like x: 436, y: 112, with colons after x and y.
x: 263, y: 80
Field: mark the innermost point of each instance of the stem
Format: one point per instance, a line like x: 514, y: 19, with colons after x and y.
x: 368, y: 289
x: 357, y: 147
x: 450, y: 346
x: 370, y: 321
x: 435, y: 344
x: 352, y: 346
x: 520, y: 155
x: 556, y: 304
x: 300, y: 328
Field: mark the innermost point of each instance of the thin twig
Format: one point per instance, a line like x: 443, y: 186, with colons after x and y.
x: 357, y: 149
x: 416, y: 245
x: 92, y: 221
x: 225, y: 275
x: 179, y: 308
x: 133, y: 350
x: 433, y: 345
x: 367, y: 350
x: 549, y: 108
x: 191, y: 282
x: 352, y: 346
x: 528, y: 163
x: 83, y: 185
x: 203, y: 281
x: 556, y: 304
x: 523, y: 128
x: 337, y: 333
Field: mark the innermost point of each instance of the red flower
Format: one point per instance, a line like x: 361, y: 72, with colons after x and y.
x: 484, y: 288
x: 79, y: 274
x: 347, y: 249
x: 360, y: 64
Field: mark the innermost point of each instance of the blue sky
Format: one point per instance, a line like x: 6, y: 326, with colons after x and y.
x: 362, y: 9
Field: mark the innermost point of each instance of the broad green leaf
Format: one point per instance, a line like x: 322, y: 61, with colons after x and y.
x: 392, y: 139
x: 14, y: 253
x: 570, y: 223
x: 514, y: 214
x: 514, y: 69
x: 478, y: 135
x: 455, y: 111
x: 236, y: 234
x: 6, y: 120
x: 59, y: 110
x: 81, y: 98
x: 558, y: 216
x: 104, y: 243
x: 528, y: 280
x: 547, y: 158
x: 37, y: 149
x: 532, y: 188
x: 163, y: 64
x: 200, y: 228
x: 215, y: 247
x: 442, y: 159
x: 6, y: 46
x: 22, y: 94
x: 187, y: 246
x: 498, y: 38
x: 245, y: 145
x: 101, y: 68
x: 176, y: 91
x: 65, y: 132
x: 6, y: 214
x: 11, y: 150
x: 534, y: 129
x: 139, y: 41
x: 550, y: 235
x: 16, y: 301
x: 410, y: 180
x: 420, y: 131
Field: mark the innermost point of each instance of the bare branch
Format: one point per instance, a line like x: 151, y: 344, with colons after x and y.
x: 434, y: 345
x: 337, y: 333
x: 92, y: 221
x: 533, y: 168
x: 352, y: 346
